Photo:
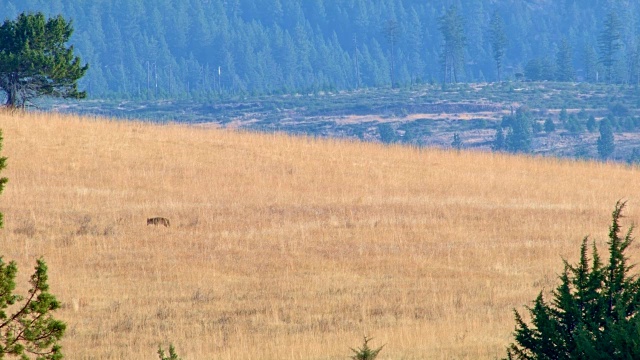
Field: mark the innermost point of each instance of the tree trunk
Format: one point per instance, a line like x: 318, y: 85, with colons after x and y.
x: 12, y: 93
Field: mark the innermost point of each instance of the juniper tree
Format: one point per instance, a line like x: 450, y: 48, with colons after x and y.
x: 595, y: 311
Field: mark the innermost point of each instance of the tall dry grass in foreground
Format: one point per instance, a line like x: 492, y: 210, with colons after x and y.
x: 289, y: 248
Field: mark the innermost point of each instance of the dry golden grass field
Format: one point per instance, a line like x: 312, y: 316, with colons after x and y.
x: 290, y: 248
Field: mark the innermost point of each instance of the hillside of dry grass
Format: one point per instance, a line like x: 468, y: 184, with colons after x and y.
x: 289, y: 248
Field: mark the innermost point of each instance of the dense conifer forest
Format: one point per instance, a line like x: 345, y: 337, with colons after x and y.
x: 153, y: 49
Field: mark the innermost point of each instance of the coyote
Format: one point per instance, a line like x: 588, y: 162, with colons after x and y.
x: 158, y: 221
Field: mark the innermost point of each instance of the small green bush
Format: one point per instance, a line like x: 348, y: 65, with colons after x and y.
x: 172, y: 353
x: 365, y: 352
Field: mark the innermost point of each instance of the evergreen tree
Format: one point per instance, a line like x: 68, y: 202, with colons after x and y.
x: 564, y: 115
x: 34, y: 60
x: 549, y: 126
x: 595, y: 312
x: 498, y: 41
x: 564, y: 62
x: 634, y: 65
x: 609, y: 43
x: 539, y: 69
x: 519, y: 138
x: 365, y: 352
x: 606, y: 144
x: 573, y: 125
x: 454, y: 41
x: 173, y: 355
x: 499, y: 142
x: 591, y: 124
x: 634, y: 158
x: 590, y: 64
x: 392, y: 32
x: 457, y: 142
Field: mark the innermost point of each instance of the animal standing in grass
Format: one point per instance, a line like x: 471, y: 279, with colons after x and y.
x: 158, y: 221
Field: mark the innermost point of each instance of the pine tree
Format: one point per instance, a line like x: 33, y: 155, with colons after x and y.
x: 452, y: 55
x: 457, y: 142
x: 34, y: 60
x: 498, y: 41
x: 590, y: 63
x: 606, y: 144
x: 595, y: 312
x: 591, y: 124
x: 609, y: 44
x: 564, y: 62
x: 392, y: 33
x: 549, y: 126
x: 519, y: 138
x: 499, y: 142
x: 365, y: 352
x: 173, y: 355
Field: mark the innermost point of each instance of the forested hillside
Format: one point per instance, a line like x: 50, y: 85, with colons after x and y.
x: 186, y: 48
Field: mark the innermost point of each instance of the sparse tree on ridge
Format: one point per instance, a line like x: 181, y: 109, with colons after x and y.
x: 34, y: 60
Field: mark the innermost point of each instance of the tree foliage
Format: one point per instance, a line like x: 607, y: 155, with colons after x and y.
x: 595, y: 311
x: 34, y: 60
x: 498, y: 41
x: 610, y: 44
x: 30, y: 331
x: 564, y: 62
x: 606, y: 144
x: 499, y: 141
x: 173, y: 355
x: 520, y: 135
x: 147, y: 49
x: 365, y: 352
x: 453, y: 45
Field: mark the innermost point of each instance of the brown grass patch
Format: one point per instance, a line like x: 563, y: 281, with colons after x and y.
x: 289, y: 248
